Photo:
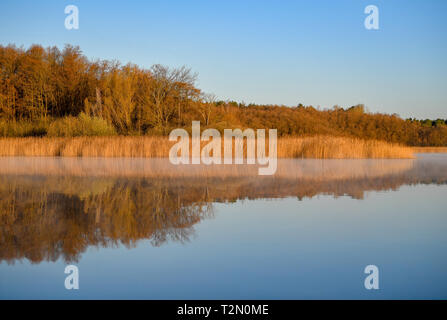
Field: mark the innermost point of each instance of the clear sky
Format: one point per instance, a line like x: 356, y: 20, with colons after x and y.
x: 315, y: 52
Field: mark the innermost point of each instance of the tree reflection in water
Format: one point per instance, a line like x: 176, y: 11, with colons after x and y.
x: 57, y: 208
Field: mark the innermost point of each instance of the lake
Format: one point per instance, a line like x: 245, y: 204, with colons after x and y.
x: 145, y: 229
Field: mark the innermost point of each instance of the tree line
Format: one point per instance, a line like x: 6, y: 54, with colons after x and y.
x: 47, y: 90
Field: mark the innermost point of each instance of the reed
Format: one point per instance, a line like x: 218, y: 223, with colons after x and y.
x: 328, y: 147
x: 320, y: 147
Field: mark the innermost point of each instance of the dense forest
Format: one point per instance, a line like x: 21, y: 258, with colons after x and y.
x: 52, y: 92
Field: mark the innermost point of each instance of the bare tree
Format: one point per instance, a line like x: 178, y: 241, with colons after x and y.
x: 205, y: 106
x: 170, y: 89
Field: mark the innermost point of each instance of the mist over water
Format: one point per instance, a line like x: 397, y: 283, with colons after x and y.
x: 144, y: 228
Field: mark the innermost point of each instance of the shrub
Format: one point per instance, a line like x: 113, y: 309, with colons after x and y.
x: 23, y: 128
x: 82, y: 125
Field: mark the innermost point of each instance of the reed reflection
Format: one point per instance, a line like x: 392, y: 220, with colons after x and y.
x: 54, y: 209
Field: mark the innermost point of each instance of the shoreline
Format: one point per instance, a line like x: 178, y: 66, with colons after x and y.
x: 429, y: 149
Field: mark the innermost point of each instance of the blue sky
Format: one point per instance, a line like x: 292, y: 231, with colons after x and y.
x: 315, y: 52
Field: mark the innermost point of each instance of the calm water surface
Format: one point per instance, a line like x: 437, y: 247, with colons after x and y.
x: 143, y: 229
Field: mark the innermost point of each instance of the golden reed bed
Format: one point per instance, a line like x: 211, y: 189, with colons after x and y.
x: 320, y: 147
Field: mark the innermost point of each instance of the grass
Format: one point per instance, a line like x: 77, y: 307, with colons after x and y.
x: 327, y: 147
x: 320, y: 147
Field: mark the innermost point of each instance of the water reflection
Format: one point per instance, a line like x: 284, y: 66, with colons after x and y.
x: 57, y: 208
